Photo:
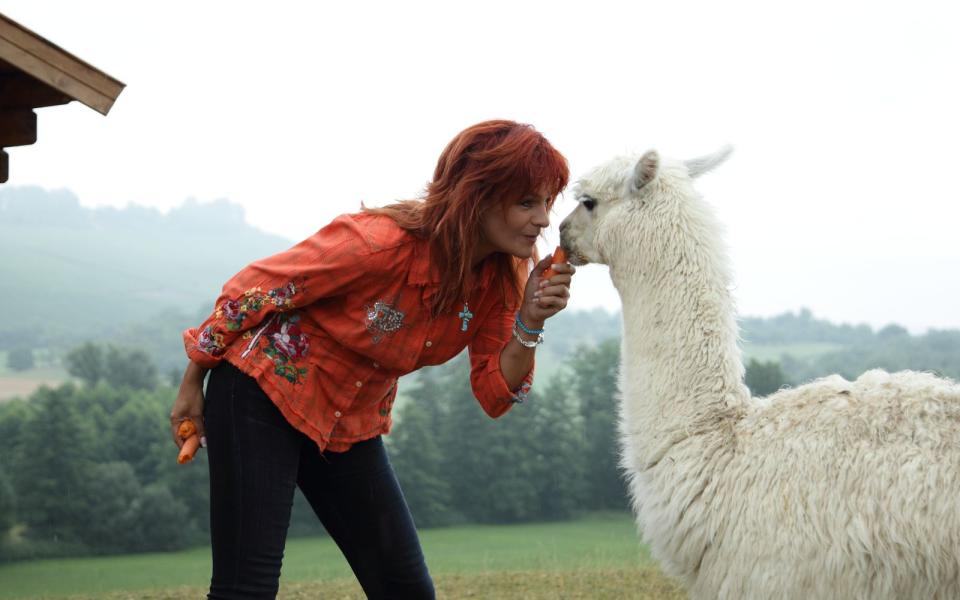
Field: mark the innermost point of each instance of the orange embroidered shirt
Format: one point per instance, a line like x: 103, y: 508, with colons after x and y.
x: 328, y: 326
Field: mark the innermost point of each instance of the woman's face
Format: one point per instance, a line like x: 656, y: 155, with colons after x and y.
x: 515, y: 229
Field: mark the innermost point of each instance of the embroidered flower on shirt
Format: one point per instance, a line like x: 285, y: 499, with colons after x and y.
x: 231, y: 310
x: 282, y: 296
x: 210, y: 342
x: 235, y: 311
x: 382, y: 320
x: 286, y: 343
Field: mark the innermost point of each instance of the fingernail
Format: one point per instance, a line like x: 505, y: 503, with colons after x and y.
x: 536, y: 294
x: 203, y: 441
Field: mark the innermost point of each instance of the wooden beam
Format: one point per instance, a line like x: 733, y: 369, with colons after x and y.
x: 17, y: 128
x: 57, y: 57
x: 55, y: 77
x: 18, y: 90
x: 56, y: 67
x: 4, y: 166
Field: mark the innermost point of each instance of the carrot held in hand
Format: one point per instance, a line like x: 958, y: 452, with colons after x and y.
x: 559, y: 256
x: 188, y: 432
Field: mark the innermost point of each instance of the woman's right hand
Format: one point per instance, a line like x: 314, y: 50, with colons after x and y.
x: 189, y: 404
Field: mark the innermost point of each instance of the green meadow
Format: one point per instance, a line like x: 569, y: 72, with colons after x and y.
x: 594, y: 557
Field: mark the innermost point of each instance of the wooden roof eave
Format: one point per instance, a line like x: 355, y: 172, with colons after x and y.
x: 57, y: 68
x: 34, y: 73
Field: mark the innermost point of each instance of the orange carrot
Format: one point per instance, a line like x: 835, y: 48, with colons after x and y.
x: 559, y: 256
x: 188, y: 432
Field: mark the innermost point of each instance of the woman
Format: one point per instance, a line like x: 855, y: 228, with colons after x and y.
x: 306, y: 347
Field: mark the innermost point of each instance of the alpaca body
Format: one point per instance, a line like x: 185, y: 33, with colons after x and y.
x: 787, y: 503
x: 834, y: 489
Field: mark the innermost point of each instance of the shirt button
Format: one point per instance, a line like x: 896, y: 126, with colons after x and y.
x: 429, y: 343
x: 338, y: 414
x: 359, y: 384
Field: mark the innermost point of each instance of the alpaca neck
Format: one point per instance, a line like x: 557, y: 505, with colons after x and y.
x: 681, y: 369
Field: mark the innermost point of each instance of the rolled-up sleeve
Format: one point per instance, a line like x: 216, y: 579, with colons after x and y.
x: 323, y: 265
x: 486, y: 378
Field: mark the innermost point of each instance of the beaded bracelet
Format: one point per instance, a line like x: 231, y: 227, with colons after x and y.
x: 526, y: 343
x: 526, y: 329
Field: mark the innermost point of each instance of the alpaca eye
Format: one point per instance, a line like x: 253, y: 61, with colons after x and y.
x: 588, y: 203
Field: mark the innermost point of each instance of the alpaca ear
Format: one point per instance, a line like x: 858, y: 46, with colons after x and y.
x: 646, y: 169
x: 698, y: 166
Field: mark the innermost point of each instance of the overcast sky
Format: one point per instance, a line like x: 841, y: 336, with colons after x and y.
x: 841, y: 196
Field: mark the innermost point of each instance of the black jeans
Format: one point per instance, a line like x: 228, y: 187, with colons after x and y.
x: 257, y: 458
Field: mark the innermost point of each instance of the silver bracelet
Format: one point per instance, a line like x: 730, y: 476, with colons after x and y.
x: 525, y: 343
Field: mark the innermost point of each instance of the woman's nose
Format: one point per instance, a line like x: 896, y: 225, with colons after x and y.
x: 541, y: 217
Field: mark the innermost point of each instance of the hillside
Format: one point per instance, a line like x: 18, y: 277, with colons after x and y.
x: 73, y: 273
x: 137, y: 277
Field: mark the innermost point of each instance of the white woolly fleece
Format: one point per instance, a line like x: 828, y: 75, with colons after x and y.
x: 834, y: 489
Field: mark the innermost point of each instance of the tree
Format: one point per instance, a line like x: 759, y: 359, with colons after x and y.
x: 893, y: 331
x: 119, y: 366
x: 111, y: 498
x: 161, y: 520
x: 86, y: 363
x: 20, y: 359
x: 13, y: 415
x: 137, y: 432
x: 8, y: 504
x: 124, y: 367
x: 54, y: 466
x: 486, y: 463
x: 764, y: 378
x: 73, y: 458
x: 595, y: 389
x: 556, y: 450
x: 418, y: 461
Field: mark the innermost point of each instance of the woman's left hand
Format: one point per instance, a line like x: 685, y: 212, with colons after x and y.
x: 544, y: 298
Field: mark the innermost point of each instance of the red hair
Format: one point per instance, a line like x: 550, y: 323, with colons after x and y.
x: 491, y: 164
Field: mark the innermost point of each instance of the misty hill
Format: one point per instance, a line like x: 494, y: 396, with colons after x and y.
x: 72, y: 273
x: 138, y: 277
x: 807, y: 348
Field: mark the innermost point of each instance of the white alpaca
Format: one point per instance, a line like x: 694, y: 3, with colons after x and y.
x: 830, y: 490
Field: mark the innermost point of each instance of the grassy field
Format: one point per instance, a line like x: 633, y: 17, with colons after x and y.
x: 21, y: 384
x: 595, y: 557
x: 22, y: 387
x: 637, y: 583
